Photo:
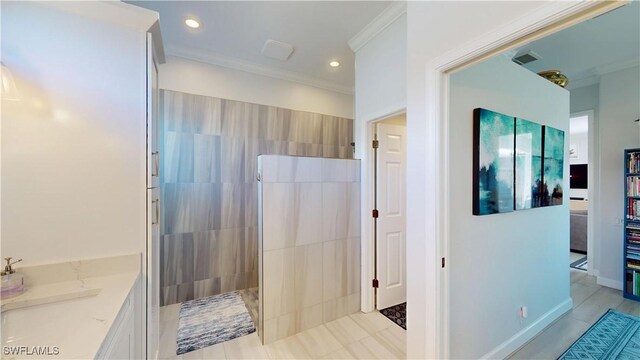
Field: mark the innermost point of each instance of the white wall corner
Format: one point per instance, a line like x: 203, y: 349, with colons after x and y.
x: 614, y: 284
x: 379, y: 23
x: 237, y: 64
x: 518, y: 340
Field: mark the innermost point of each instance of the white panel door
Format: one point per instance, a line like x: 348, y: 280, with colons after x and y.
x: 391, y: 254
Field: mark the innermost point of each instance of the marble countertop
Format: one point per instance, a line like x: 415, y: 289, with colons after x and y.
x: 76, y: 327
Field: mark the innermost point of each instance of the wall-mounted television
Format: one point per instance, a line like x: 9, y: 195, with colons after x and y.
x: 579, y: 176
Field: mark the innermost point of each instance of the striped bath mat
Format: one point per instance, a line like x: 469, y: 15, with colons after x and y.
x: 212, y: 320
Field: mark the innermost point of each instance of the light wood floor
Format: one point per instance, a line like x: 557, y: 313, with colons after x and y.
x: 590, y: 302
x: 371, y: 336
x: 357, y: 336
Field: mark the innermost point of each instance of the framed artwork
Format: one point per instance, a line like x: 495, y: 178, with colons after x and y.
x: 493, y: 162
x: 552, y: 165
x: 528, y: 168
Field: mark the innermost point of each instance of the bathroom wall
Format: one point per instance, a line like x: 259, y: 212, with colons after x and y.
x: 209, y: 187
x: 202, y: 78
x: 309, y: 242
x: 73, y: 146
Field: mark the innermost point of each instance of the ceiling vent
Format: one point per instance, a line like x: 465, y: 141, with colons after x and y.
x: 277, y: 50
x: 525, y: 57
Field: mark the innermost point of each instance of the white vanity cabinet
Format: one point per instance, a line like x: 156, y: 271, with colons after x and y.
x: 120, y: 342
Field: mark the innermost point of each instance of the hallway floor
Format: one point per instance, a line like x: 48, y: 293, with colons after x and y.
x: 357, y: 336
x: 590, y: 302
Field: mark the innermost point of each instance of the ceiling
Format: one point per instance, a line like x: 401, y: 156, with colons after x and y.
x: 234, y: 32
x: 582, y: 52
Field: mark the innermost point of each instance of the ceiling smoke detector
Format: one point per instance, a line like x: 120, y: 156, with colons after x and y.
x: 277, y: 50
x: 525, y: 57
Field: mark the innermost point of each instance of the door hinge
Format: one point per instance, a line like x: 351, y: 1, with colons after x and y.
x: 375, y: 144
x: 375, y: 283
x: 374, y: 213
x: 443, y: 263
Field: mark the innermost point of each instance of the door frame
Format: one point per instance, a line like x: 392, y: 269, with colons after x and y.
x: 431, y: 339
x: 368, y: 293
x: 371, y: 125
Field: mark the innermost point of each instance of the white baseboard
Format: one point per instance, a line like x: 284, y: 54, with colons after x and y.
x: 609, y: 283
x: 525, y: 335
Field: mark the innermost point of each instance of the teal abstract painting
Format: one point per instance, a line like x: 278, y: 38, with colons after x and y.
x: 493, y: 162
x: 553, y: 166
x: 528, y: 171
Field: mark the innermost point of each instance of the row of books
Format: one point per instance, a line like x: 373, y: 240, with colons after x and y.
x: 633, y: 209
x: 633, y: 254
x: 632, y: 233
x: 633, y: 283
x: 634, y: 162
x: 633, y: 263
x: 633, y: 185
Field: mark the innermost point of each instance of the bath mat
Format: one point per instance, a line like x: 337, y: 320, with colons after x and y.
x: 212, y: 320
x: 615, y: 336
x: 580, y: 264
x: 397, y: 314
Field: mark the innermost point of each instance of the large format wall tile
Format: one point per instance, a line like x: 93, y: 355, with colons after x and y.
x: 206, y: 247
x: 310, y: 207
x: 334, y: 268
x: 209, y: 188
x: 288, y: 169
x: 177, y: 253
x: 179, y: 157
x: 207, y: 158
x: 306, y: 127
x: 232, y: 162
x: 279, y: 282
x: 308, y: 275
x: 288, y: 216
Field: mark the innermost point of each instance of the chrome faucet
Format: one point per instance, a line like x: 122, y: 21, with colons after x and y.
x: 7, y: 269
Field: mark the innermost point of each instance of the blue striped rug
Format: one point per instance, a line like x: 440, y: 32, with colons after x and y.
x: 614, y: 336
x: 212, y: 320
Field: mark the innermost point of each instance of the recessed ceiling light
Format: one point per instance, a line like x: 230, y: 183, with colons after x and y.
x: 334, y: 63
x: 192, y: 23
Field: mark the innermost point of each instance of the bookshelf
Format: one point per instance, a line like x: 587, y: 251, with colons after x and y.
x: 632, y: 224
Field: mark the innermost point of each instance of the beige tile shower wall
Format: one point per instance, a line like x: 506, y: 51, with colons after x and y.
x: 209, y: 148
x: 309, y: 242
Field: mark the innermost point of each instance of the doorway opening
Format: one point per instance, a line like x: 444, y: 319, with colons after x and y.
x: 470, y: 85
x: 389, y: 217
x: 582, y: 187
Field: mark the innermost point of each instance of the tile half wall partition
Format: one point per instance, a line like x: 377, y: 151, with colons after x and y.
x: 210, y: 148
x: 309, y: 242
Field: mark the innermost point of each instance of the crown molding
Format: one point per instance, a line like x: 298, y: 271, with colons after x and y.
x: 379, y: 23
x: 241, y: 65
x: 617, y: 66
x: 597, y: 72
